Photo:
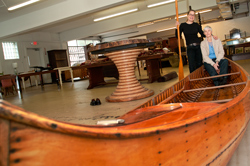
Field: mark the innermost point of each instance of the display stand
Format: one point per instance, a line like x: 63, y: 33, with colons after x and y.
x: 124, y: 54
x: 128, y: 88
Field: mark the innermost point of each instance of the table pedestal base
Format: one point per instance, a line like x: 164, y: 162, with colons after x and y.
x: 128, y: 88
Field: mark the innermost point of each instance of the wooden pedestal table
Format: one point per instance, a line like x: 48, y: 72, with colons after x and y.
x: 124, y: 55
x: 128, y: 88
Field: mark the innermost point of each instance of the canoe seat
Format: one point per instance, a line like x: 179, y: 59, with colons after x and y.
x: 204, y: 78
x: 214, y: 87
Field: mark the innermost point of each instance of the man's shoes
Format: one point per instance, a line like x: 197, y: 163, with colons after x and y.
x: 92, y: 102
x: 98, y: 101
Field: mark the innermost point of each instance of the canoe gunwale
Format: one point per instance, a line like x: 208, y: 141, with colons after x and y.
x: 111, y: 131
x: 14, y: 113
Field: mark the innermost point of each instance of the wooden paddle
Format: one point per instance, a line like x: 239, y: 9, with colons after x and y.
x: 181, y: 73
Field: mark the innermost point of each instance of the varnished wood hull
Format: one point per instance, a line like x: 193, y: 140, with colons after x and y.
x: 181, y: 133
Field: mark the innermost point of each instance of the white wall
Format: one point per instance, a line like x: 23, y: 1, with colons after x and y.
x: 46, y: 41
x: 223, y: 28
x: 220, y: 29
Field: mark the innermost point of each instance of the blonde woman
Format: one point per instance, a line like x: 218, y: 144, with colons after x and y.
x: 190, y: 30
x: 213, y: 57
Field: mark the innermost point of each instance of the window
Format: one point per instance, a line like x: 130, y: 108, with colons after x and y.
x: 10, y: 50
x: 76, y: 50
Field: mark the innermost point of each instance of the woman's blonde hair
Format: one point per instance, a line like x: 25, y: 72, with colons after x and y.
x: 191, y: 10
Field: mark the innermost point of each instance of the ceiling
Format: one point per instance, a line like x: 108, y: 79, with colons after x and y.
x: 73, y: 19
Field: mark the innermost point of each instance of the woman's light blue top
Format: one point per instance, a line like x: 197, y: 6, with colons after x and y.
x: 211, y: 51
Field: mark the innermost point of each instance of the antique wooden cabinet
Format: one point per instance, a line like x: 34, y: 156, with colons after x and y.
x: 58, y: 58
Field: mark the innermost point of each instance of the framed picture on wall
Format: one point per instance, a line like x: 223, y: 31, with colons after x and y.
x: 247, y: 49
x: 238, y: 50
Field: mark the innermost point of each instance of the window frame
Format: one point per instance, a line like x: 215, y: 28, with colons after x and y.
x: 79, y: 47
x: 10, y: 50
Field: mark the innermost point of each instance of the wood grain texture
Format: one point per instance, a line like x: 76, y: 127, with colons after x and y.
x: 197, y: 83
x: 128, y: 88
x: 4, y: 142
x: 195, y: 145
x: 122, y: 43
x: 182, y: 131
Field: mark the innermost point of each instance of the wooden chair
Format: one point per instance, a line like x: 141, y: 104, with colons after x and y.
x: 8, y: 85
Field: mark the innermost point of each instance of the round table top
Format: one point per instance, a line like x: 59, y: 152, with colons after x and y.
x: 122, y: 44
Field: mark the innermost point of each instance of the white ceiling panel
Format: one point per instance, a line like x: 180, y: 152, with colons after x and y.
x: 73, y: 19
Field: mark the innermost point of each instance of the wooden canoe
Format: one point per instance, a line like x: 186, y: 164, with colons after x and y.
x: 191, y: 123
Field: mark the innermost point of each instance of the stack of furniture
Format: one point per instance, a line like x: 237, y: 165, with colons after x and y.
x: 59, y: 58
x: 77, y: 72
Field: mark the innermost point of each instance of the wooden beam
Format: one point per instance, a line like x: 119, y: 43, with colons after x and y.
x: 217, y: 101
x: 222, y: 75
x: 214, y: 87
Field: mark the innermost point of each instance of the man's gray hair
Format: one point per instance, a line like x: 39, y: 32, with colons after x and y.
x: 207, y: 27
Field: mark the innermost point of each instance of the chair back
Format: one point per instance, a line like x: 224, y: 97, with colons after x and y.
x: 7, y: 83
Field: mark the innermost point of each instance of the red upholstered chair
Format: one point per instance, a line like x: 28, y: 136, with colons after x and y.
x: 8, y: 85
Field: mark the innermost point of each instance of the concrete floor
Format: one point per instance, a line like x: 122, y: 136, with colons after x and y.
x: 72, y: 104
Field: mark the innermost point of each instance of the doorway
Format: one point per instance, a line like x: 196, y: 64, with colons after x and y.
x: 35, y: 57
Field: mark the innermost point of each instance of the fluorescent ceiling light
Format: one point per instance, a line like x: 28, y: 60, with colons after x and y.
x: 114, y: 15
x: 164, y: 19
x: 182, y: 16
x: 151, y: 23
x: 166, y: 29
x: 22, y: 4
x: 144, y: 24
x: 160, y: 3
x: 204, y: 11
